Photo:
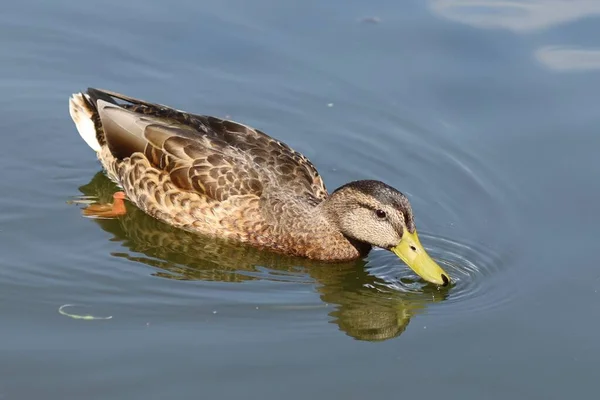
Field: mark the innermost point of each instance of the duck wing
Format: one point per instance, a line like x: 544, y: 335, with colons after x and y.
x: 214, y: 157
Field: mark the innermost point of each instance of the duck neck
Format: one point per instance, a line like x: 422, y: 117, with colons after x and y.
x: 327, y: 242
x: 309, y: 230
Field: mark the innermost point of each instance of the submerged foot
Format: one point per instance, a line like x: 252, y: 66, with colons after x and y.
x: 114, y: 210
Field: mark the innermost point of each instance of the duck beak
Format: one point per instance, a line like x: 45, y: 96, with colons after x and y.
x: 414, y: 255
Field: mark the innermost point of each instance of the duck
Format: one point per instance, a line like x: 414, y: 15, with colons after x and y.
x: 226, y: 180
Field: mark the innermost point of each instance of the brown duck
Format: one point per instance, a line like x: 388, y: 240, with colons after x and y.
x: 227, y: 180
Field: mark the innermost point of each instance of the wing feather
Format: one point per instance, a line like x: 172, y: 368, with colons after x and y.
x: 215, y: 157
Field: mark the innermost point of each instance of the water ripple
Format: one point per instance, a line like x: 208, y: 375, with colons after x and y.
x: 481, y: 277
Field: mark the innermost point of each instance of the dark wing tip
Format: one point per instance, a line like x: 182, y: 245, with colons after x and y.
x: 97, y: 94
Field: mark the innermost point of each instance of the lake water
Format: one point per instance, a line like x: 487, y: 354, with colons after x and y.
x: 485, y: 113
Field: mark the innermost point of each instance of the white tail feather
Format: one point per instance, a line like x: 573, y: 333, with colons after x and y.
x: 82, y: 117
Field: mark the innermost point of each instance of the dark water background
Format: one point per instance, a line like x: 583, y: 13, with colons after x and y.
x: 485, y: 113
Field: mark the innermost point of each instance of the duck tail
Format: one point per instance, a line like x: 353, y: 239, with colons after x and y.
x: 84, y: 112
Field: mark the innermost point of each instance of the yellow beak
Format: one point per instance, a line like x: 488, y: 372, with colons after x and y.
x: 414, y: 255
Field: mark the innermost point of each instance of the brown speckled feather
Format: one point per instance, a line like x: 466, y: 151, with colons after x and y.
x: 215, y: 177
x: 215, y: 157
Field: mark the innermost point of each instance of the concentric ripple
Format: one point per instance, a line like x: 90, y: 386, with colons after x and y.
x: 481, y: 277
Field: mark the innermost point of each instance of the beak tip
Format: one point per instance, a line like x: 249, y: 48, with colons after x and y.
x: 445, y: 279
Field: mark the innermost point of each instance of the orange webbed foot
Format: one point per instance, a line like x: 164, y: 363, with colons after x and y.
x: 114, y: 210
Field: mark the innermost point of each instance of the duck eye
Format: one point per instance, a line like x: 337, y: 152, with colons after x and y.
x: 380, y: 214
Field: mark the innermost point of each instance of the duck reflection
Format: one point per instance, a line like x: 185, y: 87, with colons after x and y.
x: 362, y: 309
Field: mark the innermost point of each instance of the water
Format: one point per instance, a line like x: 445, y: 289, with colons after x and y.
x: 484, y: 113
